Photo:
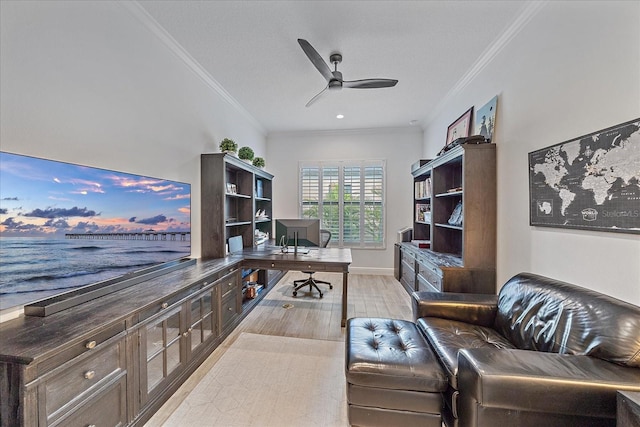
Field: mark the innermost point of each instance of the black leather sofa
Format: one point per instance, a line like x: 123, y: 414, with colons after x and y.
x: 540, y: 353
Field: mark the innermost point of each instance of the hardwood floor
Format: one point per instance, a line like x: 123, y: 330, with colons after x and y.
x: 315, y: 318
x: 308, y: 317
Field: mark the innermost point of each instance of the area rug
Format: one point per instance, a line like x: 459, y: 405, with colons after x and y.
x: 264, y: 380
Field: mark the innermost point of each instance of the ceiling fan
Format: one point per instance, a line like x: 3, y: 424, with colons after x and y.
x: 334, y: 78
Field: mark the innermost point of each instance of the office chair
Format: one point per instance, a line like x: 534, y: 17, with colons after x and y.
x: 325, y: 236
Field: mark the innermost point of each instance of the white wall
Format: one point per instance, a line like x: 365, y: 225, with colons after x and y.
x: 574, y: 69
x: 399, y: 147
x: 88, y: 83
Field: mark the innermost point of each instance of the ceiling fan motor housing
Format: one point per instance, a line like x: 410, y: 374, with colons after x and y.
x: 336, y: 81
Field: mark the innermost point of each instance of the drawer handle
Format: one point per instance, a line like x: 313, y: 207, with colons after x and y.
x: 90, y: 374
x: 91, y: 425
x: 164, y: 305
x: 273, y: 265
x: 230, y: 309
x: 230, y: 284
x: 90, y: 345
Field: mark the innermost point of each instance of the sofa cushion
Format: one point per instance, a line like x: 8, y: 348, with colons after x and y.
x: 390, y: 354
x: 538, y: 313
x: 573, y: 390
x: 447, y: 337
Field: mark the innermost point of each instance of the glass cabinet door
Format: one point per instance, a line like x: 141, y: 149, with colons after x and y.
x: 163, y: 355
x: 203, y: 319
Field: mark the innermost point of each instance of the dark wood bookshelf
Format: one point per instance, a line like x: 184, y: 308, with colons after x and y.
x: 466, y: 174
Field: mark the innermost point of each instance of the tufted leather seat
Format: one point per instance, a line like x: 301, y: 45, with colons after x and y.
x: 393, y: 377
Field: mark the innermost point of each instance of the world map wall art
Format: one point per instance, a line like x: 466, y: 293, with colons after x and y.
x: 591, y: 182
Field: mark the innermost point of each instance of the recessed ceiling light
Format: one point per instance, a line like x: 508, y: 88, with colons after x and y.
x: 340, y: 116
x: 413, y: 122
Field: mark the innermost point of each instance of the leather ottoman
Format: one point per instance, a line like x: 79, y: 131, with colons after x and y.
x: 393, y: 377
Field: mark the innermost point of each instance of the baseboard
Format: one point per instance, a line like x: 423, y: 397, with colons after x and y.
x: 372, y: 270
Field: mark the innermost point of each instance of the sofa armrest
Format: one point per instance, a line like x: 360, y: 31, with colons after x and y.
x: 478, y: 309
x: 531, y: 387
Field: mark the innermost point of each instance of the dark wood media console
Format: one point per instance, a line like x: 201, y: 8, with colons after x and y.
x: 116, y: 359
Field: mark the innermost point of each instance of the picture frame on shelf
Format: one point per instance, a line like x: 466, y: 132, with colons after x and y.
x: 231, y: 188
x: 485, y: 119
x: 423, y: 212
x: 456, y: 216
x: 460, y: 128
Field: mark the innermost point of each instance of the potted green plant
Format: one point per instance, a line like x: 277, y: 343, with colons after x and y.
x: 246, y: 154
x: 258, y: 162
x: 228, y: 146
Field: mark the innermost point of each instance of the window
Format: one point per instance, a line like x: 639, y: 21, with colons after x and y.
x: 348, y: 197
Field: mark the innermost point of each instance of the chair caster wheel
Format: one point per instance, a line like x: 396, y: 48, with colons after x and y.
x: 295, y: 294
x: 320, y: 295
x: 330, y: 286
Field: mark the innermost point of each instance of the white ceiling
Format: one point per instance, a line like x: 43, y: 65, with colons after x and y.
x: 250, y: 49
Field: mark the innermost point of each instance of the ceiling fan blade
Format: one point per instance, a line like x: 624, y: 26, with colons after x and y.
x: 315, y: 98
x: 316, y: 59
x: 369, y: 83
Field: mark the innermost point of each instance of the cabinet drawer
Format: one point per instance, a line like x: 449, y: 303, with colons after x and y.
x: 430, y: 274
x: 170, y: 302
x: 408, y: 277
x: 407, y: 269
x: 107, y: 408
x: 313, y: 267
x: 408, y: 257
x: 73, y: 381
x: 424, y: 286
x: 227, y: 286
x: 78, y: 349
x: 230, y: 308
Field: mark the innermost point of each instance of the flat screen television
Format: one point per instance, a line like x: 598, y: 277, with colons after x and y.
x: 307, y: 230
x: 65, y: 226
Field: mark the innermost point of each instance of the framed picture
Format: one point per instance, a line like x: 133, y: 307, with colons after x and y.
x: 588, y: 182
x: 485, y: 120
x: 231, y: 188
x: 460, y: 128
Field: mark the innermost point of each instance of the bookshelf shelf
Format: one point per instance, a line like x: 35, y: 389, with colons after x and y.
x: 239, y: 196
x: 237, y: 223
x: 453, y: 227
x: 450, y: 194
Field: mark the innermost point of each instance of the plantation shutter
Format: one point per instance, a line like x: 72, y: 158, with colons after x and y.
x: 348, y: 197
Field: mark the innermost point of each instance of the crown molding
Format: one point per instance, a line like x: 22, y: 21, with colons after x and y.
x: 527, y: 13
x: 163, y: 35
